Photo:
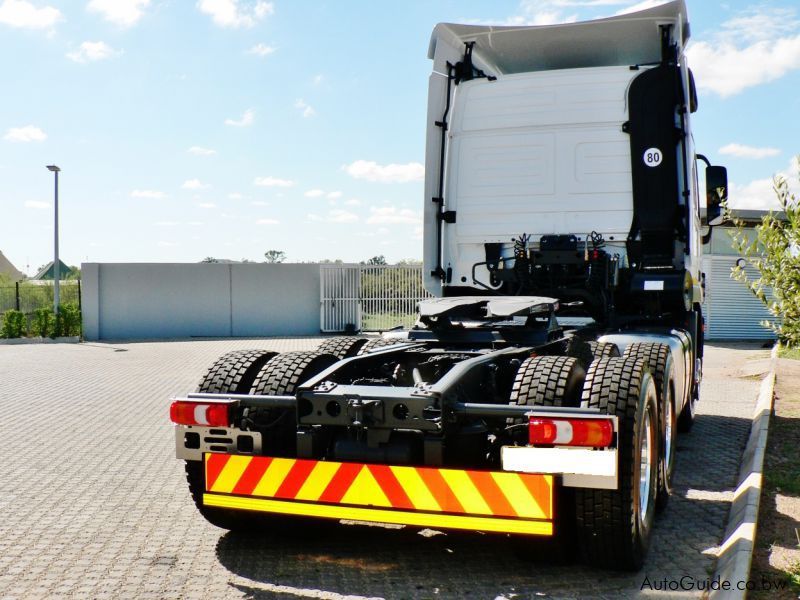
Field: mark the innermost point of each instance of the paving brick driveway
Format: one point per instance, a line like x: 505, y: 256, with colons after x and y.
x: 94, y: 504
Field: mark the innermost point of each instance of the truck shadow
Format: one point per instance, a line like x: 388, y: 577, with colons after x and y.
x: 323, y: 557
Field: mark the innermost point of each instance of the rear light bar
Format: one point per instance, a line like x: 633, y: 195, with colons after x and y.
x: 595, y: 433
x: 209, y: 414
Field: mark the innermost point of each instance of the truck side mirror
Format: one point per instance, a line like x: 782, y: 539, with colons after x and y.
x: 716, y: 193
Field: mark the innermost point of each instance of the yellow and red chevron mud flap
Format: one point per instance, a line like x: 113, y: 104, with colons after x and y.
x: 417, y: 496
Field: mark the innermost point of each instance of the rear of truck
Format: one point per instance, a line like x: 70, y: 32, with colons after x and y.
x: 540, y: 392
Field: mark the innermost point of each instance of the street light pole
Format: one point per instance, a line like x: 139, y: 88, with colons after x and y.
x: 56, y: 262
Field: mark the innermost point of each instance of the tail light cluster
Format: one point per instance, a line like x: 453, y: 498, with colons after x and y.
x: 595, y: 433
x: 209, y: 414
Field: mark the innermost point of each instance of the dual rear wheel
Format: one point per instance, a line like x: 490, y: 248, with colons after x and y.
x: 612, y: 528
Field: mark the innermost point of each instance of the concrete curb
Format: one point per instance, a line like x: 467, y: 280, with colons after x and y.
x: 38, y: 340
x: 736, y: 550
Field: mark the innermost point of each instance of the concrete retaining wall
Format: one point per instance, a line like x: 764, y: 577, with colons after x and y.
x: 152, y: 300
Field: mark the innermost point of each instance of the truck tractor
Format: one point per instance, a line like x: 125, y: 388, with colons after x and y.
x: 540, y: 393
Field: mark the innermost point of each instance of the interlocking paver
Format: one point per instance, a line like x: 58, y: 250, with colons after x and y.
x: 95, y: 505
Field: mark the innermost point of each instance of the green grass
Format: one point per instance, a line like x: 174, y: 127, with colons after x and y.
x: 791, y: 353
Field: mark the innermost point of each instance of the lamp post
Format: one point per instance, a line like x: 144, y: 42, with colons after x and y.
x: 56, y: 263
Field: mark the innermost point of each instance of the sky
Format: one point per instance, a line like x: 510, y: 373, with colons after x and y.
x: 225, y: 128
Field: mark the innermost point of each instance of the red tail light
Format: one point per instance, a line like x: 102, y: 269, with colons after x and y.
x: 596, y: 433
x: 215, y: 414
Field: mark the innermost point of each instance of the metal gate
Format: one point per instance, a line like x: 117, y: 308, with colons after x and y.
x: 340, y: 298
x: 371, y: 298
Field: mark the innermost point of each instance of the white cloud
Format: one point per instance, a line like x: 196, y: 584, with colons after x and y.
x: 318, y: 79
x: 207, y: 205
x: 235, y: 196
x: 200, y: 151
x: 353, y: 202
x: 29, y: 133
x: 391, y: 215
x: 120, y: 12
x: 342, y: 216
x: 392, y: 173
x: 166, y: 223
x: 314, y: 193
x: 756, y: 47
x: 195, y: 223
x: 247, y: 119
x: 91, y: 52
x: 334, y: 195
x: 164, y: 244
x: 233, y: 14
x: 261, y: 50
x: 273, y: 182
x: 268, y: 222
x: 194, y: 184
x: 335, y: 216
x: 307, y: 110
x: 726, y: 70
x: 37, y: 204
x: 757, y: 24
x: 23, y: 14
x: 743, y: 151
x: 151, y: 194
x: 759, y: 193
x: 259, y: 203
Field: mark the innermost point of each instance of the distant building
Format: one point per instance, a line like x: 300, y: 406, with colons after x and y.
x: 730, y: 309
x: 6, y: 268
x: 47, y: 272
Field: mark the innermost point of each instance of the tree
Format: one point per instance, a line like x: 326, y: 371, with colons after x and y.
x: 74, y: 273
x: 275, y: 256
x: 209, y: 259
x: 377, y: 261
x: 775, y: 254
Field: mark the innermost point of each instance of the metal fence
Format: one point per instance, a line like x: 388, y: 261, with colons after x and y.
x: 27, y: 296
x: 370, y: 298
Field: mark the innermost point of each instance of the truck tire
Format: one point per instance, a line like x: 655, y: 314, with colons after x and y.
x: 550, y: 381
x: 281, y: 376
x: 224, y: 518
x: 379, y: 343
x: 586, y: 352
x: 234, y: 372
x: 615, y: 526
x: 658, y: 358
x: 342, y: 347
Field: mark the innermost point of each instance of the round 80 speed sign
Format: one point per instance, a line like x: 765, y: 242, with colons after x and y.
x: 652, y: 157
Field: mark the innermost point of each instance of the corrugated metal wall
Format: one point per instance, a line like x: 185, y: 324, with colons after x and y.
x: 730, y: 309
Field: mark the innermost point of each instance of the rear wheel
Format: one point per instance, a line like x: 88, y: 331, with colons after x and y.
x: 615, y: 526
x: 586, y: 352
x: 232, y: 373
x: 659, y: 359
x: 281, y: 376
x: 342, y: 347
x: 549, y: 381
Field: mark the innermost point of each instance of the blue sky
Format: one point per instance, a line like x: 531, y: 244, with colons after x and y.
x: 226, y: 128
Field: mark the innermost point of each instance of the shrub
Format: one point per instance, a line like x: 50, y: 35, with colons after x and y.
x: 775, y: 253
x: 68, y: 321
x: 13, y: 324
x: 44, y: 323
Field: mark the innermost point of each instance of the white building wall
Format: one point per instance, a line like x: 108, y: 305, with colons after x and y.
x: 152, y: 300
